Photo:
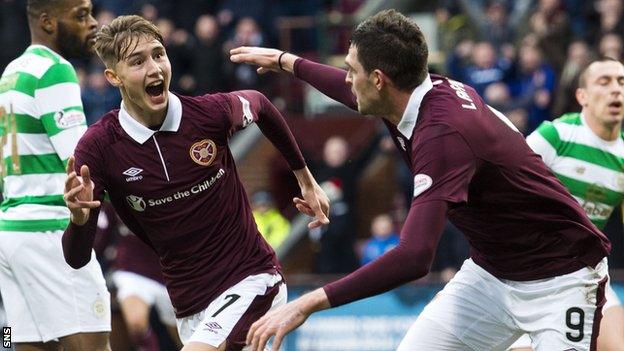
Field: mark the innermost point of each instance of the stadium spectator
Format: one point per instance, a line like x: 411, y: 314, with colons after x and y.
x: 104, y: 17
x: 383, y: 239
x: 550, y: 25
x: 610, y: 19
x: 471, y: 165
x: 271, y: 224
x: 485, y: 67
x: 493, y: 20
x: 180, y: 50
x: 185, y: 13
x: 453, y: 26
x: 247, y: 33
x: 180, y: 53
x: 98, y: 97
x: 579, y: 56
x: 208, y: 62
x: 231, y: 12
x: 338, y: 176
x: 164, y: 161
x: 532, y: 84
x: 49, y: 305
x: 610, y: 45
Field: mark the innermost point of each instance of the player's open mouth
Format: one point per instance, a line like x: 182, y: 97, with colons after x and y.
x: 615, y: 106
x: 155, y: 91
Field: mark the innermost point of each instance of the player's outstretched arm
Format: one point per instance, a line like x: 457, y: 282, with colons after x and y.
x: 272, y: 124
x: 315, y: 202
x: 285, y: 319
x: 267, y: 59
x: 328, y: 80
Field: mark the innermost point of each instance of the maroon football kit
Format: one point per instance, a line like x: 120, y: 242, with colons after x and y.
x: 178, y: 190
x: 471, y: 166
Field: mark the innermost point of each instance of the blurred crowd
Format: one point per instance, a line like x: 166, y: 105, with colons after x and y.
x: 522, y: 56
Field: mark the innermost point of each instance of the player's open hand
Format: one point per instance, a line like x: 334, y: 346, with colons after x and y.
x: 315, y: 203
x: 78, y: 193
x: 265, y: 58
x: 285, y: 319
x: 278, y: 323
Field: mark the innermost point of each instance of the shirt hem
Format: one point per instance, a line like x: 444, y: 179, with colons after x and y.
x: 572, y: 266
x: 35, y: 225
x: 191, y: 310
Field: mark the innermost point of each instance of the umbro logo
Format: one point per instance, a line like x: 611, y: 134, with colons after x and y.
x: 133, y: 174
x: 212, y: 327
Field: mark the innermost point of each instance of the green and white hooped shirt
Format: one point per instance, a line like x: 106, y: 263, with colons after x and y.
x: 41, y: 121
x: 591, y: 168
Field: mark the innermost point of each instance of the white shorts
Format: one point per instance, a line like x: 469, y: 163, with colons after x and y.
x: 44, y: 297
x: 477, y: 311
x: 231, y: 314
x: 148, y: 290
x: 612, y: 300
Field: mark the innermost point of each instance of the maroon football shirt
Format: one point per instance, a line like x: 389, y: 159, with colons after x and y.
x: 178, y: 190
x: 136, y: 257
x: 471, y: 165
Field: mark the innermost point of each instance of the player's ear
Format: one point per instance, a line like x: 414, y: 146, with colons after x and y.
x: 581, y: 96
x: 112, y: 78
x: 47, y: 23
x: 379, y: 79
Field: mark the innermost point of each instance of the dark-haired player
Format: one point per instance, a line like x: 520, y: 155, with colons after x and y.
x: 538, y: 264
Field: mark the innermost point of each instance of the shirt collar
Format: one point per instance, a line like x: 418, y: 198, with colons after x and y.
x: 408, y: 121
x: 141, y: 133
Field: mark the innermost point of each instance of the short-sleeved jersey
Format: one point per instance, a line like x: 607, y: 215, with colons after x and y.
x: 41, y: 121
x: 520, y: 221
x: 590, y: 167
x: 178, y: 190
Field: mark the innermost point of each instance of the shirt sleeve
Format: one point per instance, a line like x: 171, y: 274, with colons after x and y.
x: 409, y: 260
x: 249, y: 106
x: 443, y: 165
x: 545, y: 141
x: 60, y: 108
x: 328, y: 80
x: 78, y: 240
